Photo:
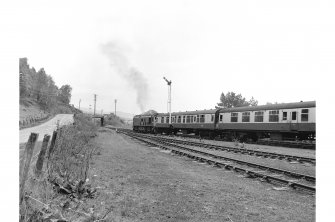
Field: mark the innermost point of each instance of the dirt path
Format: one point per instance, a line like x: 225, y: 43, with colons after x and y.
x: 146, y: 184
x: 45, y: 128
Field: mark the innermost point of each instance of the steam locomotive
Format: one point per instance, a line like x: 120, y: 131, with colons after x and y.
x: 277, y: 121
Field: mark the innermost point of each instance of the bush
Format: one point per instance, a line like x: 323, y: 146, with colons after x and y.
x: 72, y: 151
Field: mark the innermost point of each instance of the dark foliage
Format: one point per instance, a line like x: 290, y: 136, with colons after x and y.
x: 41, y: 87
x: 232, y: 99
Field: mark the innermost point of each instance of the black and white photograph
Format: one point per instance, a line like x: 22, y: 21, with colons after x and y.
x: 168, y: 110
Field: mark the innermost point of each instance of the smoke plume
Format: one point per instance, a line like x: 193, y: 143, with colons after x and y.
x: 119, y: 61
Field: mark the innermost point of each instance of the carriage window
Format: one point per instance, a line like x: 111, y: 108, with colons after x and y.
x: 194, y: 118
x: 191, y: 119
x: 162, y: 119
x: 284, y: 115
x: 184, y: 119
x: 273, y: 115
x: 167, y: 119
x: 246, y: 117
x: 212, y: 118
x: 149, y: 120
x: 304, y: 115
x: 179, y: 119
x: 294, y: 115
x: 202, y: 118
x: 221, y: 117
x: 233, y: 117
x: 259, y: 116
x: 188, y: 119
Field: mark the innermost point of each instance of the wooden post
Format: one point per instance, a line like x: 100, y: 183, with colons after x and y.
x: 24, y: 168
x: 39, y: 162
x: 52, y: 144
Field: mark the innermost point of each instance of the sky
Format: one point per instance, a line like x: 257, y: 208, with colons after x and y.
x: 270, y: 50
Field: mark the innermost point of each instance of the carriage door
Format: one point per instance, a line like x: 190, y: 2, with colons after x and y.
x: 294, y: 119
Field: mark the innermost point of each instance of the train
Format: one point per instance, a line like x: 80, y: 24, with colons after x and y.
x: 286, y: 121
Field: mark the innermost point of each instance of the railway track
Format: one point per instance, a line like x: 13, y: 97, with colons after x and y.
x: 250, y: 170
x: 271, y: 155
x: 290, y: 144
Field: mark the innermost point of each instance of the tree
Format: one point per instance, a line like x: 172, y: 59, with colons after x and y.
x: 65, y: 94
x: 24, y: 72
x: 253, y: 102
x: 23, y: 84
x: 41, y: 85
x: 232, y: 99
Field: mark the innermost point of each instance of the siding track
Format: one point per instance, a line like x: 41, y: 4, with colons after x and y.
x: 251, y: 152
x: 248, y: 169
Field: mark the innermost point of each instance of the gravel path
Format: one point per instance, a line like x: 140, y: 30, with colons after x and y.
x: 45, y: 128
x: 141, y: 183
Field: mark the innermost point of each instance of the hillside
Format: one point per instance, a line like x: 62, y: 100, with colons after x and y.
x: 40, y: 97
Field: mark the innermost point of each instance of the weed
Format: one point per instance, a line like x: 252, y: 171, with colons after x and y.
x: 67, y: 172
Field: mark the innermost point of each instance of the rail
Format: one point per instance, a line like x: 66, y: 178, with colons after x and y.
x: 216, y: 160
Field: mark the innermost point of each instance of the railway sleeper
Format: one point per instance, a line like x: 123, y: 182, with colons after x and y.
x: 257, y: 153
x: 291, y: 183
x: 248, y: 164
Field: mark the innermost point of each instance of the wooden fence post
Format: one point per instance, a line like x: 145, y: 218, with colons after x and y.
x: 52, y: 144
x: 24, y: 168
x: 39, y: 162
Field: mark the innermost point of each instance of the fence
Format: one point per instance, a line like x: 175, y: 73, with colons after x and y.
x: 27, y: 156
x: 32, y: 119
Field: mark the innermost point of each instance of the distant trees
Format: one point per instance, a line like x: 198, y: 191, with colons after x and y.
x: 232, y: 99
x: 23, y: 85
x: 41, y: 87
x: 25, y: 74
x: 65, y: 94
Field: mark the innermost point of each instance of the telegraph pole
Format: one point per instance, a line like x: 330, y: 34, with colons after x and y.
x: 95, y: 102
x: 115, y: 100
x: 169, y: 97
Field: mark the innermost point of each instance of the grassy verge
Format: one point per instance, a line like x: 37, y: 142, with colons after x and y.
x: 62, y: 187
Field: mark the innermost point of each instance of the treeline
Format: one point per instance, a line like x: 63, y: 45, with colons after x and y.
x: 41, y: 87
x: 232, y: 99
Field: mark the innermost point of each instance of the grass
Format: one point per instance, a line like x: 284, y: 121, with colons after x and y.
x: 68, y: 165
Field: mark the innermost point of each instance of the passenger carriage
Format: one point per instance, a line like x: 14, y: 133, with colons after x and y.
x: 287, y: 121
x: 198, y: 122
x: 278, y: 121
